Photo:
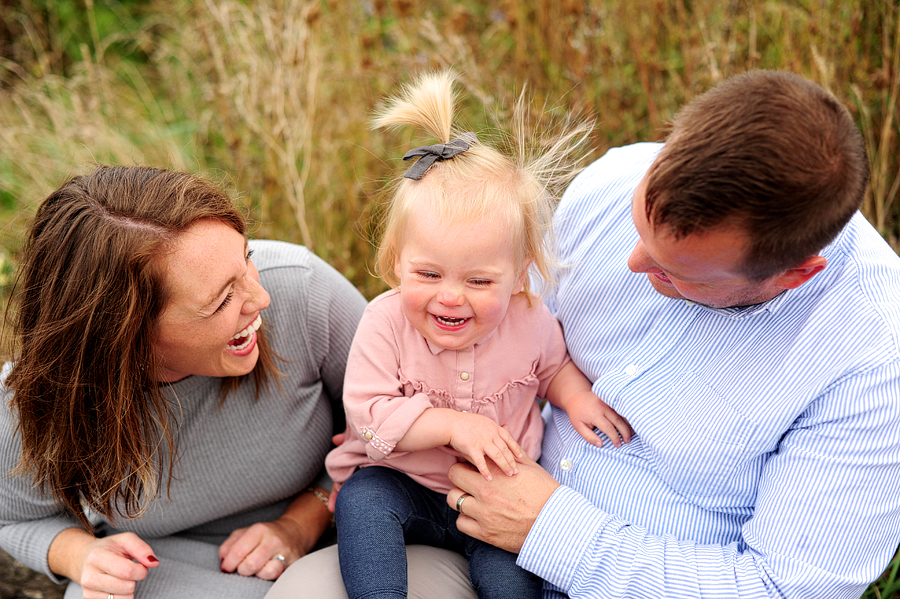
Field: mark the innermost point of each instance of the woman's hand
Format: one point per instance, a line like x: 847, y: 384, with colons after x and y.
x: 103, y: 567
x: 251, y: 551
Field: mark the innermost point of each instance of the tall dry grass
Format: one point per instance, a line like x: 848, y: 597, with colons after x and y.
x: 275, y: 97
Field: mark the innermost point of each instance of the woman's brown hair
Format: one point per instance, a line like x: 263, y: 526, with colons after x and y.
x: 91, y: 416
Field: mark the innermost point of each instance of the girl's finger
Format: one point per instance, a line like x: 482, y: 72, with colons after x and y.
x: 503, y: 457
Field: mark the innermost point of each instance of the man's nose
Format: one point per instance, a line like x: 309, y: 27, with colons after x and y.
x: 639, y: 260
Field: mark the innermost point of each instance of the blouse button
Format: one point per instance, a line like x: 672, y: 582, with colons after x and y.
x: 368, y: 435
x: 566, y: 464
x: 464, y: 376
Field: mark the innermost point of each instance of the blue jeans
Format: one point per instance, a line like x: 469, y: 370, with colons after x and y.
x: 380, y: 510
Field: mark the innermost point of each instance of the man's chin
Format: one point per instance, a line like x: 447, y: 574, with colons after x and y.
x: 665, y: 289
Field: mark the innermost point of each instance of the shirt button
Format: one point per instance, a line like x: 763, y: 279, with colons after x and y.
x: 566, y: 464
x: 464, y: 376
x: 631, y: 369
x: 688, y: 303
x: 368, y: 435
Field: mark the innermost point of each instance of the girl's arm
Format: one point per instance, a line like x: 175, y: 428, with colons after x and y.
x: 473, y: 435
x: 571, y: 391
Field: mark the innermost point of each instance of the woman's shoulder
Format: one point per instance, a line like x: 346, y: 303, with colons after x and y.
x: 271, y: 254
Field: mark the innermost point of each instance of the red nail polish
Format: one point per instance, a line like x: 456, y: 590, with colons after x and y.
x: 152, y: 559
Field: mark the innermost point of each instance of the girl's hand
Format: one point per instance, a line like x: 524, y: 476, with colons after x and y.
x: 112, y: 565
x: 587, y: 412
x: 476, y: 436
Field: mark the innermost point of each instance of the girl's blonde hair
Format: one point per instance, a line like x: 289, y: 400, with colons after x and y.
x: 518, y: 191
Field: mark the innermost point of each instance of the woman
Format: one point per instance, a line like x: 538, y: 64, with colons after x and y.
x: 171, y: 400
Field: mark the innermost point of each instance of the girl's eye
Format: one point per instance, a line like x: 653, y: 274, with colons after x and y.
x: 428, y: 275
x: 225, y: 302
x: 481, y: 282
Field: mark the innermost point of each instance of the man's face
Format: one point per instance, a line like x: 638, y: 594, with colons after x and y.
x: 703, y: 267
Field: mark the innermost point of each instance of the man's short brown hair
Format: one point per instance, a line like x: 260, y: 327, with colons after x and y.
x: 767, y: 151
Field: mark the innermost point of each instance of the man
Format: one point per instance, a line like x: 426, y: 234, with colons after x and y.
x: 726, y: 297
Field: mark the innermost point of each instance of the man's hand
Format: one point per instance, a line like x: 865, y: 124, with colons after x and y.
x: 500, y: 511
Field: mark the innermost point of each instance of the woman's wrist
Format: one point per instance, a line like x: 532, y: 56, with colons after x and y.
x: 65, y: 557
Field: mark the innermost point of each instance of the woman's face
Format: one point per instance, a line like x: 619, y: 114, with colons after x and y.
x: 209, y: 325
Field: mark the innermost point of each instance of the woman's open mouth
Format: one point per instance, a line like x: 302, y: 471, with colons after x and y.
x: 243, y: 339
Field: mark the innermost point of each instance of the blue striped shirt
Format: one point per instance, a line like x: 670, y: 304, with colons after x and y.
x: 766, y: 456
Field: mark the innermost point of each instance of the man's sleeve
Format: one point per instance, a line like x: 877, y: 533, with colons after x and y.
x: 826, y: 521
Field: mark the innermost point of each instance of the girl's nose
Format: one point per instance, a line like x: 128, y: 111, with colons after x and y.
x: 450, y: 297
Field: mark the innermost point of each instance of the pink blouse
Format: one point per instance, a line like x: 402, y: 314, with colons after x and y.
x: 394, y: 374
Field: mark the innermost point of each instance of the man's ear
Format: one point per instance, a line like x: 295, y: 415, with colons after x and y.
x: 800, y: 274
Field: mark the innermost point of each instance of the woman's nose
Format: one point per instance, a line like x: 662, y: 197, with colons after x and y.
x: 257, y: 297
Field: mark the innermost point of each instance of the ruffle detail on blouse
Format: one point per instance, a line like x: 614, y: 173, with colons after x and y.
x: 440, y: 398
x: 526, y: 380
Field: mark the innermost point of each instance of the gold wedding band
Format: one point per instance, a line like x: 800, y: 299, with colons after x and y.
x: 459, y: 502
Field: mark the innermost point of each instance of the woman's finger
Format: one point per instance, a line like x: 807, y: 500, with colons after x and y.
x: 243, y: 542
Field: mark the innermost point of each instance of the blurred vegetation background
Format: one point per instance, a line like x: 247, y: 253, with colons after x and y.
x: 272, y: 99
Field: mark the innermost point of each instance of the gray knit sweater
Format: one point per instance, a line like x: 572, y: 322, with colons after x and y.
x: 237, y: 464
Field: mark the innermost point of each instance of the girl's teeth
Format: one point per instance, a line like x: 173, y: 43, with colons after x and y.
x: 450, y: 321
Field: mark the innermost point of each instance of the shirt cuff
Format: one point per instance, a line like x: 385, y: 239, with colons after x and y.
x: 560, y: 537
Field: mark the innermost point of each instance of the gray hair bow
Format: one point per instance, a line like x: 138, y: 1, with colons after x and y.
x: 429, y: 154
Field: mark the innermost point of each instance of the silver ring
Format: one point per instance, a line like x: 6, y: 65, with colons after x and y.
x: 110, y: 596
x: 280, y: 558
x: 459, y: 502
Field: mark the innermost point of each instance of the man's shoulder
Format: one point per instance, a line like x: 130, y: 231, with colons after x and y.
x: 622, y: 163
x: 868, y: 277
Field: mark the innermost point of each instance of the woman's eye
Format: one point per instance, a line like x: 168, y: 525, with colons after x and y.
x: 225, y: 302
x: 249, y: 255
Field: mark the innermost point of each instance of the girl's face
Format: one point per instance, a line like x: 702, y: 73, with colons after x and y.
x: 456, y: 279
x: 209, y: 326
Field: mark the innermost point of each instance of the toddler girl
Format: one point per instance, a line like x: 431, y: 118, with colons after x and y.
x: 446, y: 366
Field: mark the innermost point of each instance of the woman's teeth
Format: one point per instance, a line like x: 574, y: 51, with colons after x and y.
x: 247, y: 334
